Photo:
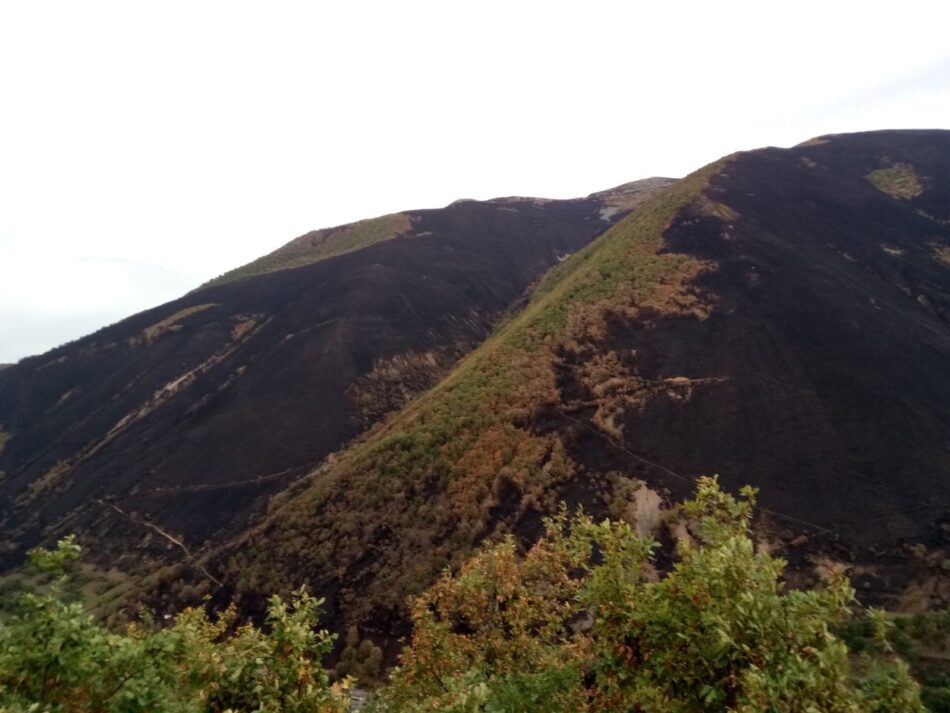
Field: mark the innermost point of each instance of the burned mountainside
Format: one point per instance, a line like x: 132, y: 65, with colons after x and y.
x: 779, y: 318
x: 167, y: 431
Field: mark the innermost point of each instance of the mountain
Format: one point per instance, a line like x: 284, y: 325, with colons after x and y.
x: 171, y: 428
x: 778, y: 317
x: 363, y: 407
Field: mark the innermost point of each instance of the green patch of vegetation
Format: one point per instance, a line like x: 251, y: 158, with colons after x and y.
x: 583, y: 622
x: 54, y: 657
x: 439, y: 476
x: 4, y: 439
x: 899, y: 180
x: 923, y: 640
x: 100, y: 591
x: 320, y: 245
x: 563, y: 630
x: 361, y: 660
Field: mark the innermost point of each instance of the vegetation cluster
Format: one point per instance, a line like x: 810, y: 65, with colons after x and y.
x: 320, y: 245
x: 899, y: 180
x: 56, y: 658
x: 585, y: 622
x: 582, y: 621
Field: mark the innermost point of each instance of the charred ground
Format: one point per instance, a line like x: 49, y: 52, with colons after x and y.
x: 778, y: 318
x: 184, y: 418
x: 828, y: 345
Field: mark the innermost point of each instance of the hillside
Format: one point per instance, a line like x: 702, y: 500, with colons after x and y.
x: 778, y: 317
x: 171, y: 428
x: 366, y: 405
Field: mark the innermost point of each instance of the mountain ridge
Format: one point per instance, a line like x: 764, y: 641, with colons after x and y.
x: 622, y: 357
x: 317, y: 245
x: 778, y: 317
x: 269, y: 373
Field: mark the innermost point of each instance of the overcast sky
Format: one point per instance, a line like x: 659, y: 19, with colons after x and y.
x: 148, y: 146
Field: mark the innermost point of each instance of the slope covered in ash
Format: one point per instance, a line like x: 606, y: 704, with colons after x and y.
x: 778, y: 317
x: 175, y: 424
x: 827, y: 335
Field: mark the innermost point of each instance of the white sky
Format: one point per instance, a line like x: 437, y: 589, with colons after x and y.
x: 148, y: 146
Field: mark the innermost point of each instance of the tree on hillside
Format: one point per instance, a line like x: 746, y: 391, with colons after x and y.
x: 585, y: 623
x: 54, y: 657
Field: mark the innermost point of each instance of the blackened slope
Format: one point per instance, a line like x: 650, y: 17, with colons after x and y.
x: 322, y: 244
x: 776, y: 318
x: 829, y: 335
x: 186, y: 415
x: 470, y: 459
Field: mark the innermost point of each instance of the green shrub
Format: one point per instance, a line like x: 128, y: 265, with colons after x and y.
x: 54, y: 657
x: 584, y: 622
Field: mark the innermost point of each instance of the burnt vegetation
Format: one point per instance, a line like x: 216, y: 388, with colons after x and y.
x: 360, y: 419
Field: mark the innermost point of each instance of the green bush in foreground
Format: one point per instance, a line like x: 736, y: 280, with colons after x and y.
x: 585, y: 623
x: 582, y: 622
x: 55, y: 657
